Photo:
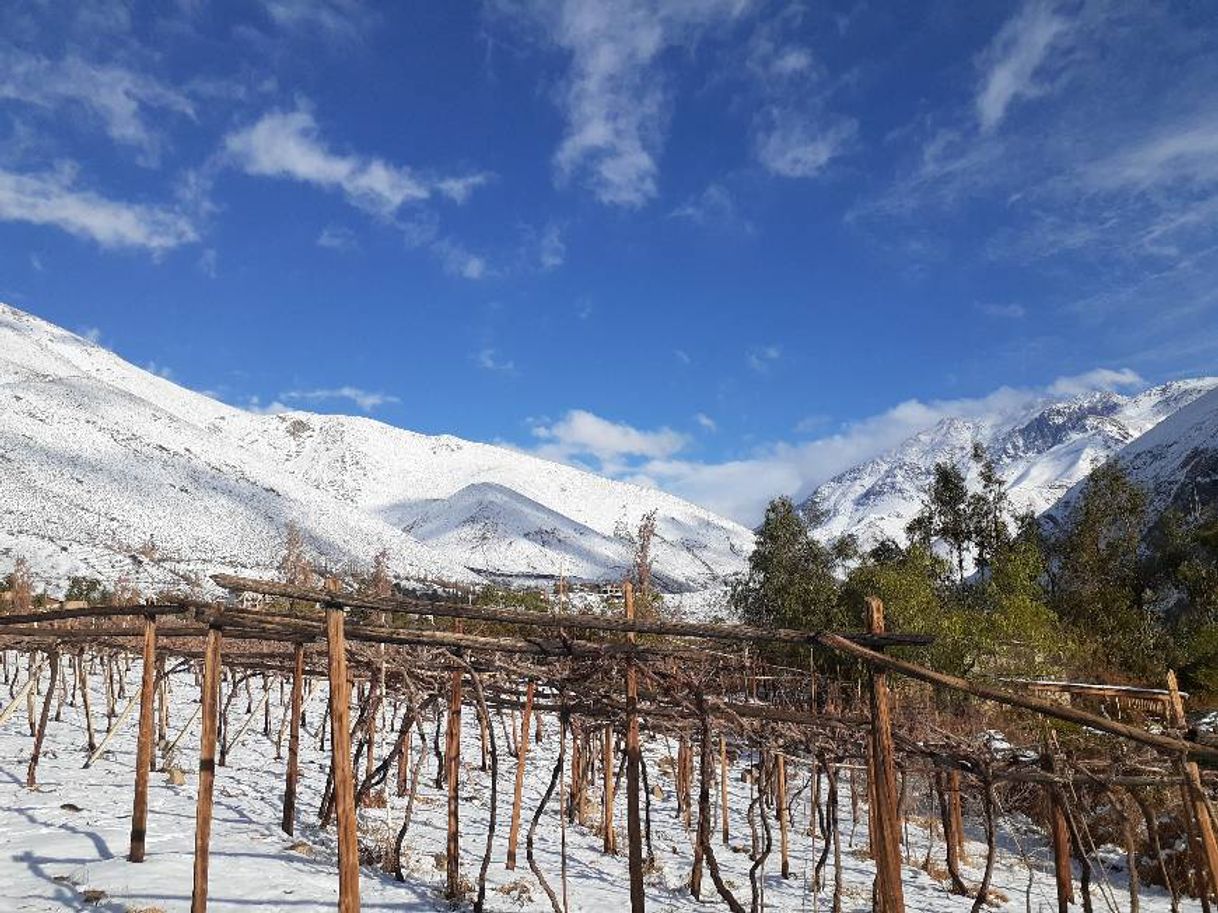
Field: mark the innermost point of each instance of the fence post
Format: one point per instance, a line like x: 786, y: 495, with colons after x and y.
x: 634, y: 754
x: 289, y: 790
x: 340, y: 752
x: 143, y: 751
x: 207, y: 768
x: 886, y: 843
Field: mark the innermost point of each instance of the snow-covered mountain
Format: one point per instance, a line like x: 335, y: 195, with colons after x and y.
x: 1175, y: 463
x: 1042, y: 450
x: 109, y: 470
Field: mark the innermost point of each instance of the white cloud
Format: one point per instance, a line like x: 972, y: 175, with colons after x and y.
x: 160, y: 370
x: 1010, y: 63
x: 682, y: 356
x: 116, y: 97
x: 49, y: 198
x: 1011, y: 311
x: 581, y: 433
x: 489, y: 360
x: 614, y: 96
x: 288, y: 144
x: 795, y: 145
x: 366, y: 400
x: 714, y: 207
x: 1096, y: 379
x: 93, y: 334
x: 336, y: 237
x: 740, y: 488
x: 332, y: 18
x: 551, y: 249
x: 1184, y: 152
x: 705, y: 422
x: 761, y: 358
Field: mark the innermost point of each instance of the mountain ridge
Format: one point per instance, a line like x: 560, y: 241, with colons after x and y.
x: 125, y: 465
x: 1043, y: 448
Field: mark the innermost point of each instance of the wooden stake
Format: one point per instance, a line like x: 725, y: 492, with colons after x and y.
x: 781, y: 802
x: 607, y: 772
x: 886, y: 843
x: 289, y: 789
x: 340, y: 752
x: 452, y: 761
x: 143, y: 750
x: 723, y: 787
x: 90, y: 735
x: 1207, y: 848
x: 522, y: 751
x: 31, y: 774
x: 634, y: 754
x: 207, y: 768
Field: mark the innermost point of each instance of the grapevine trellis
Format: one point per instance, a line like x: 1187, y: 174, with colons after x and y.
x: 715, y: 688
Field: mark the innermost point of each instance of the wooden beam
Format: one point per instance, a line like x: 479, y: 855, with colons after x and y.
x: 588, y: 622
x: 1163, y: 743
x: 143, y: 750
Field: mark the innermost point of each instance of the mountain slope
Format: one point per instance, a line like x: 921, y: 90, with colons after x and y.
x: 106, y: 469
x: 1042, y: 450
x: 1175, y: 463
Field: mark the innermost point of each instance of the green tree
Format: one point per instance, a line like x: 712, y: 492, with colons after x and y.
x: 1100, y: 584
x: 791, y: 581
x: 988, y: 509
x: 946, y: 514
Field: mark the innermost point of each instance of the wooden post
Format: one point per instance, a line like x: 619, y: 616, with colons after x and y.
x: 522, y: 751
x: 607, y: 773
x: 452, y: 761
x: 207, y: 768
x: 83, y: 672
x: 781, y: 802
x: 886, y: 843
x: 956, y: 811
x: 723, y: 787
x: 31, y: 774
x: 340, y: 752
x: 289, y: 788
x: 1206, y: 850
x: 634, y: 755
x: 143, y: 750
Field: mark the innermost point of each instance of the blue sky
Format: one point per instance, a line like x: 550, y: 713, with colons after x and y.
x: 728, y: 247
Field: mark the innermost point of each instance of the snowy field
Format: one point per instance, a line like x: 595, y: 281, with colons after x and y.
x: 63, y: 845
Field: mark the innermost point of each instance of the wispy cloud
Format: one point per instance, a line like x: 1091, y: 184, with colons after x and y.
x: 1010, y: 64
x: 365, y: 400
x: 581, y: 434
x: 1096, y: 379
x: 740, y: 488
x: 51, y: 198
x: 714, y: 208
x: 1008, y: 311
x: 793, y: 145
x: 288, y: 144
x: 488, y: 359
x: 336, y: 237
x: 336, y: 19
x: 614, y: 96
x: 117, y: 98
x: 762, y: 358
x: 705, y: 422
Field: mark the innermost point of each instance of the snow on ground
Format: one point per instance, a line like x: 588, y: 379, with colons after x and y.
x: 70, y: 835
